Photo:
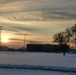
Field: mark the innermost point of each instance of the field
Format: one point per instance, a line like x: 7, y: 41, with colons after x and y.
x: 30, y: 72
x: 37, y: 59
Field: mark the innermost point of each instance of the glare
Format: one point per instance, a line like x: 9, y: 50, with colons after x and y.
x: 5, y: 40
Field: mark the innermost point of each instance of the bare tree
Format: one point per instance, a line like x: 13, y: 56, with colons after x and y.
x: 64, y: 37
x: 60, y: 38
x: 73, y: 30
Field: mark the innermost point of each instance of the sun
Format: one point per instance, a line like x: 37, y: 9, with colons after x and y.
x: 5, y: 40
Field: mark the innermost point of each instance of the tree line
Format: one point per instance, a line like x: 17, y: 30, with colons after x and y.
x: 63, y: 38
x: 66, y: 36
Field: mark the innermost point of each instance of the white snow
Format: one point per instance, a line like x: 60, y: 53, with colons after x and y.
x: 43, y: 59
x: 30, y: 72
x: 46, y: 60
x: 53, y: 68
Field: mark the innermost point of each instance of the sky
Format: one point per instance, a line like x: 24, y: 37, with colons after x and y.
x: 36, y: 20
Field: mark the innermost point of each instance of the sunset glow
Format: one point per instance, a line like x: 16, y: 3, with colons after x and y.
x: 40, y: 19
x: 5, y: 40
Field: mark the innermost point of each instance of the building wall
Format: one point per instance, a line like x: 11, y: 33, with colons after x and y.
x: 44, y: 48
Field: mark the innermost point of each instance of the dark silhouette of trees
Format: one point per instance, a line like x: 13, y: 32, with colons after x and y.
x: 61, y: 38
x: 68, y: 34
x: 73, y: 31
x: 65, y: 37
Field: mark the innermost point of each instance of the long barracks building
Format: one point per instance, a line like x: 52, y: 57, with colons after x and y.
x: 46, y: 48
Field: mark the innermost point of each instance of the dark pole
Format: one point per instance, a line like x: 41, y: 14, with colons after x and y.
x: 24, y: 40
x: 0, y: 34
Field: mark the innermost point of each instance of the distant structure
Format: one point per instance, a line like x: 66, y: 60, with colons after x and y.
x: 45, y: 48
x: 4, y: 48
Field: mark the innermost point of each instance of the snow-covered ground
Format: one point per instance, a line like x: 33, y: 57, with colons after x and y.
x: 43, y: 59
x: 30, y: 72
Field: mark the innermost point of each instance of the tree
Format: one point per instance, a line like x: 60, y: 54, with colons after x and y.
x: 68, y: 34
x: 73, y: 30
x: 61, y: 38
x: 65, y: 37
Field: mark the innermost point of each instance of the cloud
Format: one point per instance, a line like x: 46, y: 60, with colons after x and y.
x: 47, y: 15
x: 32, y: 5
x: 15, y: 39
x: 24, y: 28
x: 38, y: 10
x: 7, y: 1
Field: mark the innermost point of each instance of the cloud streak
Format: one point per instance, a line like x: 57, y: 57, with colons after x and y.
x: 43, y: 16
x: 39, y: 10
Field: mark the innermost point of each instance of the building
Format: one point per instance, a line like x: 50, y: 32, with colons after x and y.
x: 4, y: 48
x: 46, y: 48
